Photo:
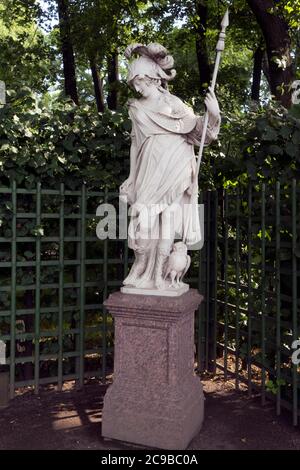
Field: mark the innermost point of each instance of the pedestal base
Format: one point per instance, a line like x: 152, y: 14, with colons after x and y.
x: 155, y: 399
x: 168, y: 419
x: 169, y: 292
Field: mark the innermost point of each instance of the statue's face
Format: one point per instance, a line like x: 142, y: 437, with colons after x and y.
x: 143, y: 85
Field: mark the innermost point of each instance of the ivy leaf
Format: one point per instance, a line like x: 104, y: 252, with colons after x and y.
x: 28, y: 133
x: 275, y: 150
x: 38, y: 231
x: 68, y: 143
x: 291, y: 149
x: 296, y: 137
x: 62, y: 159
x: 270, y: 134
x: 286, y: 131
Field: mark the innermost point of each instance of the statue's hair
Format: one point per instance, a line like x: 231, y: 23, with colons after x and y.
x: 158, y: 54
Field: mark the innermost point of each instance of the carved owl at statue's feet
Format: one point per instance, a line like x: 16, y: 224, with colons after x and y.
x: 178, y: 264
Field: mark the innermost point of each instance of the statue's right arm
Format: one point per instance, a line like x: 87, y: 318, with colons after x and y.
x: 133, y: 157
x: 133, y: 147
x: 127, y: 187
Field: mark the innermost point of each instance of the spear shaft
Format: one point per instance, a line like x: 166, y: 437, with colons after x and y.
x: 219, y: 48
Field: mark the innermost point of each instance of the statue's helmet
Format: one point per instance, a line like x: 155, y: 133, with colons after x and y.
x: 153, y: 61
x: 144, y: 66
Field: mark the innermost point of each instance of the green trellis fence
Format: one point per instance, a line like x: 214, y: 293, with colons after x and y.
x: 55, y: 274
x: 253, y: 289
x: 54, y: 279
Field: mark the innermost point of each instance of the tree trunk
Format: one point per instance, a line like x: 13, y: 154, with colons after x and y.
x: 97, y: 86
x: 265, y: 66
x: 67, y: 50
x: 113, y: 78
x: 201, y: 46
x: 278, y: 45
x: 257, y: 70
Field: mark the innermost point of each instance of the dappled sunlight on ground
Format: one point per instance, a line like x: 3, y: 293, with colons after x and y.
x: 72, y: 420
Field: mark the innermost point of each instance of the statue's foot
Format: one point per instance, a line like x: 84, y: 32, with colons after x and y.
x: 174, y: 285
x: 145, y: 283
x: 128, y: 281
x: 136, y: 271
x: 161, y: 284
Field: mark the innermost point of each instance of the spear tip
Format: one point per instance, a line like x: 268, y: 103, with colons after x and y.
x: 225, y: 20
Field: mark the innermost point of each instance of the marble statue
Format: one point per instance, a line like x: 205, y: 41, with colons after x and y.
x: 162, y: 187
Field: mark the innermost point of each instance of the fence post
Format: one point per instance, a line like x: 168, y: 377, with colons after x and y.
x: 294, y: 301
x: 76, y: 323
x: 105, y: 293
x: 200, y: 312
x: 211, y: 288
x: 237, y: 273
x: 13, y: 307
x: 37, y: 307
x: 61, y: 287
x: 82, y: 286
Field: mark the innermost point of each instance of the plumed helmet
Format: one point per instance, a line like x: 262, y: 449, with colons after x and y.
x: 153, y: 61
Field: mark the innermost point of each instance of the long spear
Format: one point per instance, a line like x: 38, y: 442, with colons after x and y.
x: 219, y: 48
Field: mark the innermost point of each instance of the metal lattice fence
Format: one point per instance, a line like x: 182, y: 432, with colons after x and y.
x: 255, y: 282
x: 55, y: 275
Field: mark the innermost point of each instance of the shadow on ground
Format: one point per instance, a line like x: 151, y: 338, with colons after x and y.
x: 72, y: 420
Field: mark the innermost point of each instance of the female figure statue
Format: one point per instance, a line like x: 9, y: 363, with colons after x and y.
x: 162, y: 186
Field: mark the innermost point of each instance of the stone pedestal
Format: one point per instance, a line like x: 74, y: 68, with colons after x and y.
x: 155, y: 399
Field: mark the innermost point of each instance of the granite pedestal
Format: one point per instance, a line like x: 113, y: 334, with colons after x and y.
x: 155, y: 399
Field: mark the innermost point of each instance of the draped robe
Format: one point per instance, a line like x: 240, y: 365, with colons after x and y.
x: 163, y: 145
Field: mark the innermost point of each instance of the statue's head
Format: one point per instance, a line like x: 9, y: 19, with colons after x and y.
x: 145, y: 85
x: 153, y: 67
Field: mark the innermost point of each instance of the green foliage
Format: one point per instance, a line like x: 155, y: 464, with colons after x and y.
x: 104, y: 25
x: 223, y: 164
x: 272, y: 148
x: 65, y: 143
x: 27, y: 56
x: 274, y: 386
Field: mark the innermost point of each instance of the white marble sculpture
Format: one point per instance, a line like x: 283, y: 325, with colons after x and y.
x: 177, y: 264
x: 162, y: 187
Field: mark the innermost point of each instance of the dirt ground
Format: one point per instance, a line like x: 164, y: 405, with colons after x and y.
x: 72, y: 420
